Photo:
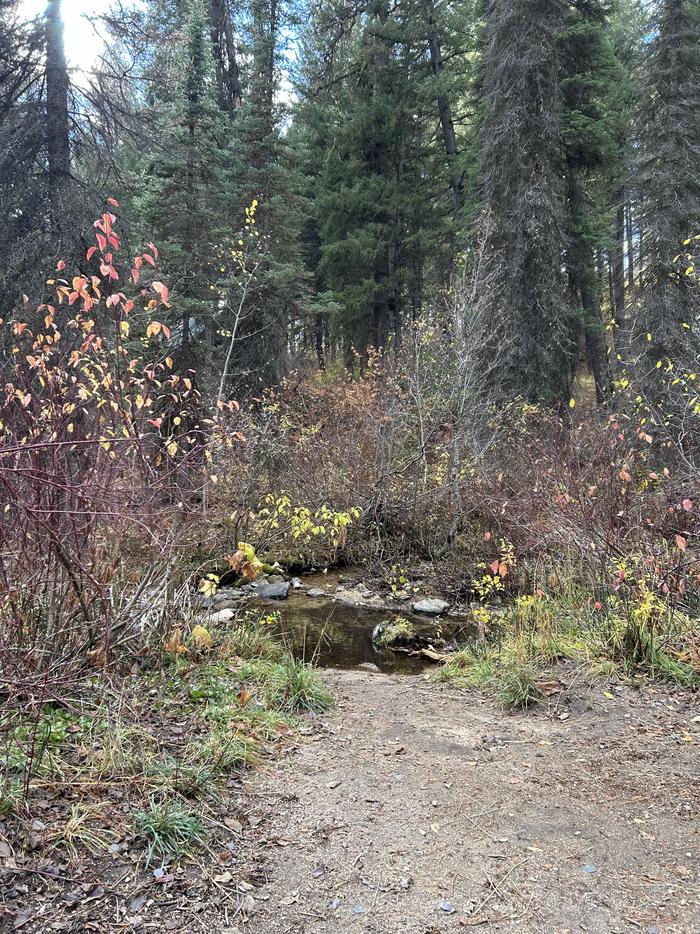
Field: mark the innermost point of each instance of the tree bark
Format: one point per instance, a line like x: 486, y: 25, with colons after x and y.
x: 445, y: 112
x: 57, y: 123
x: 630, y: 248
x: 618, y: 263
x: 223, y: 42
x: 583, y: 281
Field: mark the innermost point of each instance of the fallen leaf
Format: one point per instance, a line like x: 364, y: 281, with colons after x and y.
x: 548, y: 688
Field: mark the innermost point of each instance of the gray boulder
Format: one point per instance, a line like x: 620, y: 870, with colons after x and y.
x: 431, y: 606
x: 273, y: 590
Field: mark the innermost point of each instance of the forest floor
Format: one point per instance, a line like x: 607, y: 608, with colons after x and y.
x: 415, y: 808
x: 421, y: 809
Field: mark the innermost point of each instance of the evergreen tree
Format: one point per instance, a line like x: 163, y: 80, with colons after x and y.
x: 381, y: 117
x: 266, y: 171
x: 589, y: 70
x: 670, y: 184
x: 522, y: 302
x: 182, y: 199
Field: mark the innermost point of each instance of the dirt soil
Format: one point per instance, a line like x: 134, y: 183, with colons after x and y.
x: 415, y: 808
x: 420, y: 809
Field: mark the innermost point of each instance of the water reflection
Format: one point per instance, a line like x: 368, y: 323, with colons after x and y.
x: 338, y: 635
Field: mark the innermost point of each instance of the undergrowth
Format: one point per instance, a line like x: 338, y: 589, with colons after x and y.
x: 169, y: 743
x: 530, y: 642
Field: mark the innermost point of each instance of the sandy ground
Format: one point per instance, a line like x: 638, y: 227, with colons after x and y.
x: 420, y: 809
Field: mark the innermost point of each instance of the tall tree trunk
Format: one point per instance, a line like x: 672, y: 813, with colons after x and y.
x: 445, y: 112
x: 57, y: 123
x: 583, y: 281
x: 630, y: 247
x: 223, y: 42
x: 378, y: 160
x: 528, y: 334
x: 618, y: 263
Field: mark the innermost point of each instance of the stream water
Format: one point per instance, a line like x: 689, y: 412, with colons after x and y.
x: 339, y: 635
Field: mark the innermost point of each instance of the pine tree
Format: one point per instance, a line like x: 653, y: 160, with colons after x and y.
x: 381, y: 124
x: 670, y: 184
x: 265, y: 171
x: 588, y: 71
x: 182, y: 200
x: 528, y: 327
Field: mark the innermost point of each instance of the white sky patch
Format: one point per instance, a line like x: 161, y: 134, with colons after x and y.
x: 83, y: 44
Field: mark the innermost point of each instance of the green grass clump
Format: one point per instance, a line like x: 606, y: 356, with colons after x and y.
x: 292, y: 686
x: 197, y: 772
x: 225, y: 751
x: 249, y: 640
x: 515, y: 686
x: 169, y: 828
x: 295, y: 686
x: 509, y: 676
x: 468, y: 668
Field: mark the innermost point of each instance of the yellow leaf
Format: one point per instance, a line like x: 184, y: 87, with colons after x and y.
x: 208, y: 584
x: 202, y: 637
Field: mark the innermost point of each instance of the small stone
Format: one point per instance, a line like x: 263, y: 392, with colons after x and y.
x: 221, y: 616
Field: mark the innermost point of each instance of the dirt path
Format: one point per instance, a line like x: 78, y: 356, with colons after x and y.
x: 418, y: 809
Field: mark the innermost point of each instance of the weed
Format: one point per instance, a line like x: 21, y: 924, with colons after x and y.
x: 226, y: 751
x: 469, y: 668
x: 516, y: 689
x: 292, y: 685
x: 10, y: 796
x: 249, y: 640
x: 169, y: 829
x: 80, y: 833
x: 123, y: 750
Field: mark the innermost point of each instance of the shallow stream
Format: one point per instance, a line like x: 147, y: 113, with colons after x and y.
x: 339, y: 635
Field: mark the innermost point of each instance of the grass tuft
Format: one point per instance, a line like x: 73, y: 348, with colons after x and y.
x: 169, y: 829
x: 80, y: 833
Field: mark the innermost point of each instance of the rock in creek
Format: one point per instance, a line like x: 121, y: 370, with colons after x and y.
x: 273, y: 590
x: 432, y: 606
